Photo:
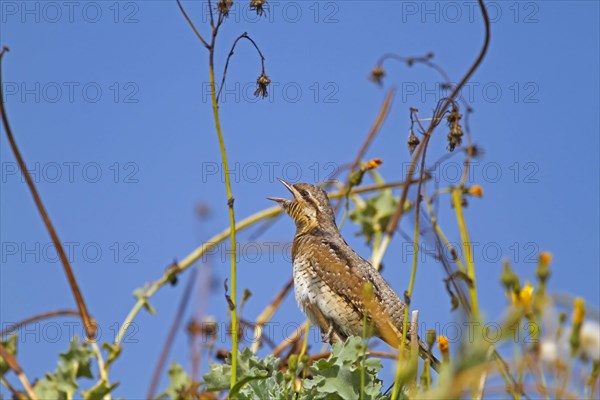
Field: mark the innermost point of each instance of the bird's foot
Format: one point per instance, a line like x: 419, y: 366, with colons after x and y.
x: 327, y: 337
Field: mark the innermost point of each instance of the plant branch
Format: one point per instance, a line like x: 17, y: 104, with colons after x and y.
x: 467, y: 250
x: 38, y: 317
x: 191, y: 23
x: 89, y: 324
x: 185, y: 297
x: 13, y: 364
x: 425, y: 60
x: 268, y: 313
x: 394, y: 221
x: 381, y: 116
x: 231, y: 52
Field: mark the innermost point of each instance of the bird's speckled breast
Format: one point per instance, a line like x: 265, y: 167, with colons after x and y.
x: 312, y: 291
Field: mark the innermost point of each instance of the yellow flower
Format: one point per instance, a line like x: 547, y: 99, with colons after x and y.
x: 545, y: 258
x: 372, y: 164
x: 476, y: 191
x: 443, y: 344
x: 523, y: 297
x: 579, y: 311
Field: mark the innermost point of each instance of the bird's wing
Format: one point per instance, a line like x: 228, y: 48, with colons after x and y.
x: 348, y: 275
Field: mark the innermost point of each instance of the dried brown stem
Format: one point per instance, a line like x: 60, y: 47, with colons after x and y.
x: 89, y: 324
x: 383, y: 112
x: 38, y: 317
x: 231, y: 52
x: 391, y: 227
x: 191, y: 23
x: 13, y: 364
x: 291, y: 339
x: 268, y: 312
x: 160, y: 365
x: 425, y: 60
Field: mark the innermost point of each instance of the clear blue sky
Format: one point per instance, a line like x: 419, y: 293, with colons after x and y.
x: 109, y: 104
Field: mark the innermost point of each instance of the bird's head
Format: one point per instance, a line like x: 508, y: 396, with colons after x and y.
x: 309, y: 208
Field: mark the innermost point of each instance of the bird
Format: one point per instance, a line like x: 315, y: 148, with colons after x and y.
x: 336, y: 288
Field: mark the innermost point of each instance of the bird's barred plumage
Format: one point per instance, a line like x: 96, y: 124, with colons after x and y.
x: 334, y: 286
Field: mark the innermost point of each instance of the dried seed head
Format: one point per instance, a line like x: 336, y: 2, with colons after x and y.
x: 474, y: 151
x: 223, y: 7
x: 207, y: 328
x: 261, y: 86
x: 412, y: 142
x: 258, y: 6
x: 221, y: 354
x: 456, y: 132
x: 377, y: 75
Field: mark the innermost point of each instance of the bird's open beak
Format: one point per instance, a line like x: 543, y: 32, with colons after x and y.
x: 283, y: 202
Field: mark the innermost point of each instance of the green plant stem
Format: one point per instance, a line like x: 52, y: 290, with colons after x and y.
x: 102, y: 371
x: 441, y: 234
x: 413, y: 275
x: 364, y: 355
x: 379, y: 253
x: 467, y: 250
x: 301, y: 356
x: 189, y: 260
x: 230, y: 200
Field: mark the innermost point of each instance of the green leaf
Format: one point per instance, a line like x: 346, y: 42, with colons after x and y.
x: 78, y: 358
x: 10, y: 345
x: 339, y: 376
x: 140, y: 295
x: 257, y: 378
x: 73, y: 364
x: 245, y: 380
x: 98, y: 391
x: 375, y: 214
x: 114, y: 351
x: 179, y: 381
x: 218, y: 378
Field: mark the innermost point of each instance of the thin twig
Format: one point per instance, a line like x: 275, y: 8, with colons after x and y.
x: 191, y: 23
x: 292, y: 338
x: 425, y: 60
x: 381, y: 116
x: 13, y: 364
x: 268, y: 312
x: 38, y: 317
x: 160, y: 365
x: 393, y: 223
x: 262, y: 59
x: 212, y: 18
x: 10, y: 387
x: 89, y: 324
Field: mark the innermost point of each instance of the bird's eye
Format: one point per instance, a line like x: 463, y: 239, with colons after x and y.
x: 304, y: 193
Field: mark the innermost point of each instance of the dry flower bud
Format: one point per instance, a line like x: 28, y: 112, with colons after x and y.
x: 545, y: 257
x: 258, y: 6
x: 261, y: 86
x: 412, y: 142
x: 223, y: 7
x: 377, y: 74
x: 372, y: 164
x: 443, y: 345
x: 476, y: 191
